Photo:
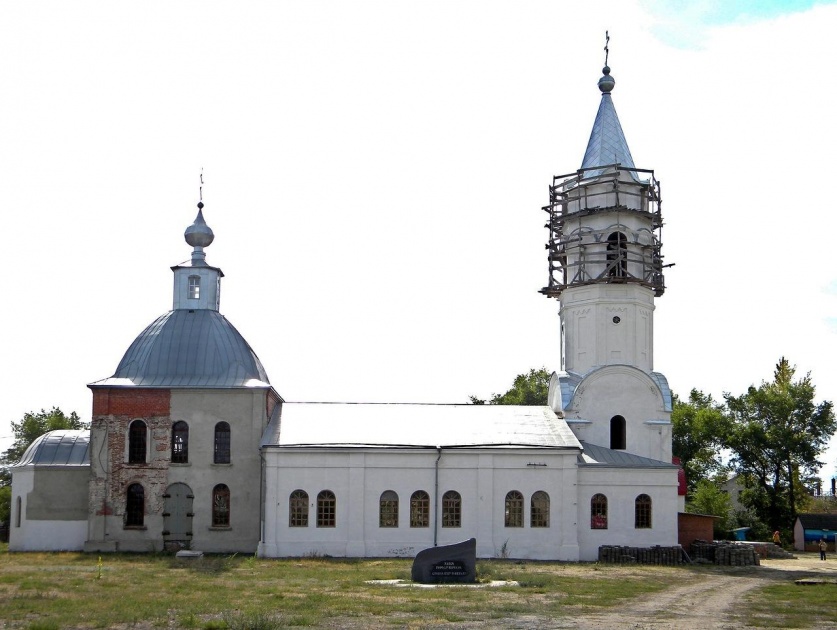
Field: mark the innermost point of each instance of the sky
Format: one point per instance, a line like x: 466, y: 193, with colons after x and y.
x: 374, y: 173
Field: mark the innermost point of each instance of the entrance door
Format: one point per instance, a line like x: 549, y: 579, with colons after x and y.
x: 177, y: 517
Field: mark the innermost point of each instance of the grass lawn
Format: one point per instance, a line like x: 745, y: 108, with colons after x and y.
x: 61, y: 590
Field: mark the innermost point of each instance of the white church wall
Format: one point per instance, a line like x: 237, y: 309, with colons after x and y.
x: 621, y: 486
x: 57, y: 529
x: 359, y: 478
x: 628, y: 392
x: 591, y: 335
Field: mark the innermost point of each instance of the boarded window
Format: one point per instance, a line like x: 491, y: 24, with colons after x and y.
x: 539, y: 515
x: 137, y: 437
x: 220, y: 506
x: 298, y: 509
x: 388, y: 509
x: 642, y: 512
x: 598, y: 512
x: 222, y: 443
x: 451, y: 509
x: 514, y: 509
x: 180, y: 442
x: 420, y: 509
x: 326, y: 509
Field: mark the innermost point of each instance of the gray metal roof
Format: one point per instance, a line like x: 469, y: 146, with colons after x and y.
x: 189, y: 348
x: 59, y: 448
x: 417, y: 426
x: 594, y: 455
x: 607, y: 144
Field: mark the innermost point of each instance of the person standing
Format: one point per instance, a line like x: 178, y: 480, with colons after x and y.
x: 823, y: 547
x: 777, y: 539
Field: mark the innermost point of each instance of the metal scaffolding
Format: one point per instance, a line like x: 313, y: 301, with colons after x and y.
x: 617, y: 254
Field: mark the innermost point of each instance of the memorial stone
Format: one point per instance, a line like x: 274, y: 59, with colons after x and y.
x: 455, y: 563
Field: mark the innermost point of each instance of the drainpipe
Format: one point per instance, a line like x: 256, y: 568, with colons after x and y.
x: 436, y: 501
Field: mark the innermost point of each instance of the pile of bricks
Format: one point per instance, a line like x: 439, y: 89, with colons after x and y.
x: 614, y: 554
x: 725, y: 553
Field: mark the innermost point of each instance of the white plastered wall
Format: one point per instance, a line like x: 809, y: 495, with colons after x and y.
x: 43, y: 534
x: 359, y: 476
x: 628, y: 392
x: 621, y: 486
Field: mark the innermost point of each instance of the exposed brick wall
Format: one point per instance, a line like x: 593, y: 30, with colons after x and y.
x: 113, y: 412
x: 691, y: 527
x: 131, y: 401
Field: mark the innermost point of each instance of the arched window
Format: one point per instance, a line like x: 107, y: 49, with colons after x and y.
x: 220, y: 506
x: 18, y: 510
x: 420, y: 509
x: 642, y: 512
x: 222, y: 443
x: 194, y: 287
x: 180, y: 442
x: 618, y: 433
x: 598, y: 512
x: 298, y: 509
x: 514, y: 509
x: 539, y: 514
x: 135, y: 506
x: 326, y: 509
x: 388, y: 516
x: 451, y: 509
x: 617, y: 255
x: 137, y: 437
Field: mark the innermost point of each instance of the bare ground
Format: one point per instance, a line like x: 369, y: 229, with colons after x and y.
x: 707, y: 602
x: 704, y: 601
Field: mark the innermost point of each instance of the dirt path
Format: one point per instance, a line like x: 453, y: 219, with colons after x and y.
x: 704, y: 603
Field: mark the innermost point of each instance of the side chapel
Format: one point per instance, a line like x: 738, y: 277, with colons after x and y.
x: 191, y: 446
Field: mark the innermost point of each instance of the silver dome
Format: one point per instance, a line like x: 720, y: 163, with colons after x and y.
x: 67, y: 447
x: 190, y: 348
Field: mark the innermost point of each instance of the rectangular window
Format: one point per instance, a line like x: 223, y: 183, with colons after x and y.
x: 194, y: 287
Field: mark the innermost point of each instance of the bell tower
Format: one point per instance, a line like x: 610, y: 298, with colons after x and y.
x: 605, y: 269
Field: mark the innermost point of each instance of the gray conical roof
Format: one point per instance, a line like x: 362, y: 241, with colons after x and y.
x: 607, y: 144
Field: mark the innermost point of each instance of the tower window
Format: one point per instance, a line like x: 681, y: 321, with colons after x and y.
x: 222, y: 443
x: 642, y: 512
x: 194, y: 287
x: 514, y: 509
x: 326, y: 509
x: 451, y: 509
x: 135, y: 506
x: 180, y: 442
x: 617, y: 255
x: 137, y: 436
x: 298, y: 513
x: 598, y: 512
x: 388, y: 516
x: 220, y: 506
x: 420, y: 509
x: 618, y: 437
x: 539, y: 514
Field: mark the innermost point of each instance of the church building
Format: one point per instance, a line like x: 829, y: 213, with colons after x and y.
x: 191, y: 447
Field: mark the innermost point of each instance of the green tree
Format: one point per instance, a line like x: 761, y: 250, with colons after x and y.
x: 698, y: 429
x: 708, y: 498
x: 776, y: 435
x: 528, y: 389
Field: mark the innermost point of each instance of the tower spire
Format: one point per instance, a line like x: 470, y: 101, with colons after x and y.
x: 607, y: 144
